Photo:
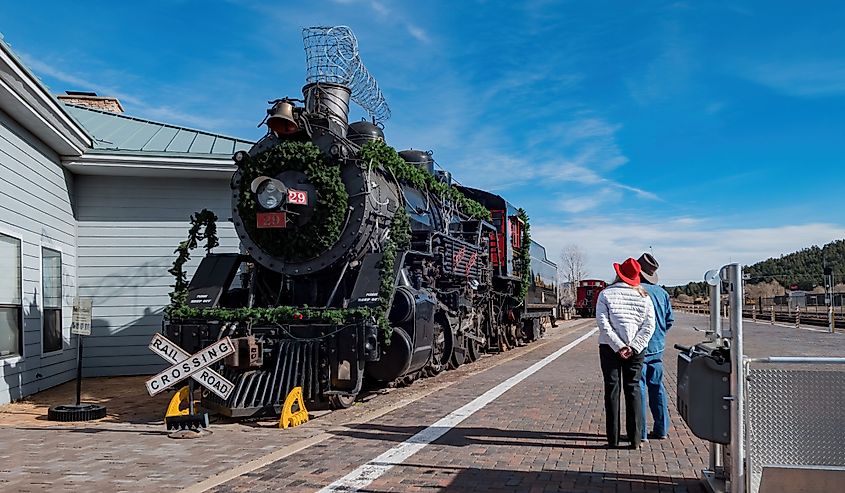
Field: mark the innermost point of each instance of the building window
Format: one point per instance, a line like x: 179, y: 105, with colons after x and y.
x: 51, y: 285
x: 11, y: 341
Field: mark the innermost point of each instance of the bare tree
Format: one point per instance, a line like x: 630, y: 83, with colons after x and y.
x: 573, y: 269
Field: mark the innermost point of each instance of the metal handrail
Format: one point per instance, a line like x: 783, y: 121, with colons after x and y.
x: 820, y: 360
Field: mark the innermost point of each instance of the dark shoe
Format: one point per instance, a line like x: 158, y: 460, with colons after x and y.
x: 635, y: 446
x: 655, y: 436
x: 613, y: 446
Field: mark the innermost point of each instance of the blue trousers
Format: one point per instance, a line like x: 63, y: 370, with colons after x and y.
x: 654, y: 396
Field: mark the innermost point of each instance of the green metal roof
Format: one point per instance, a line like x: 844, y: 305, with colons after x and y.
x: 127, y: 134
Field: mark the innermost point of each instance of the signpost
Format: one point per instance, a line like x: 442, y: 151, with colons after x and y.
x: 81, y: 326
x: 195, y: 368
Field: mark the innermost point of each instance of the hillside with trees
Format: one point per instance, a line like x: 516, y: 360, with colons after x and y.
x: 802, y: 269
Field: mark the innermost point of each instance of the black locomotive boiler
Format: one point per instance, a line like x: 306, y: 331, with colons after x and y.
x: 357, y: 264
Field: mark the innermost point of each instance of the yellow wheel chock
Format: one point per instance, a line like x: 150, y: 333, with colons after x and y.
x: 175, y: 406
x: 289, y: 416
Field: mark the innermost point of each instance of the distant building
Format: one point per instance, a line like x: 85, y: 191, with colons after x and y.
x: 92, y: 204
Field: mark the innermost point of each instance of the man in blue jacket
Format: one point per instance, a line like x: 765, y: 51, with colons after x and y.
x: 651, y: 383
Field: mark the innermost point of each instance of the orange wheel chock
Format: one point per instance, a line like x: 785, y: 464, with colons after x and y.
x: 289, y: 416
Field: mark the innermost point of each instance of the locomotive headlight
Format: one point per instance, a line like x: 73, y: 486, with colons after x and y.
x: 269, y: 192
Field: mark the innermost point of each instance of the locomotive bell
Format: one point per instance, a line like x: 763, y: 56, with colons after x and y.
x: 281, y: 118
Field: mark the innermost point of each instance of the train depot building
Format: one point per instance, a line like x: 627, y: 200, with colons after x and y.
x: 92, y: 205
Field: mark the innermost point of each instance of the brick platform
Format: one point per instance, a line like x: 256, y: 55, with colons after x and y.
x: 546, y: 434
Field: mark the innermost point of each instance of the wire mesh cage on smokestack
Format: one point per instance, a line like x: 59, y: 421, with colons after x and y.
x: 331, y: 56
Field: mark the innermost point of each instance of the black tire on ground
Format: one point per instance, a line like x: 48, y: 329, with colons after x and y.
x: 74, y: 412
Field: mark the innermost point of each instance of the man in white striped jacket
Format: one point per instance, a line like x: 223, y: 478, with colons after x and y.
x: 625, y: 317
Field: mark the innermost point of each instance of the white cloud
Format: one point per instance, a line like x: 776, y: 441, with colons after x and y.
x: 801, y: 78
x: 582, y: 151
x: 164, y: 113
x: 382, y: 11
x: 82, y: 83
x: 418, y: 33
x: 582, y: 203
x: 685, y: 247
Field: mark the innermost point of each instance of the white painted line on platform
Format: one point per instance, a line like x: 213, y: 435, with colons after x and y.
x: 289, y: 450
x: 369, y: 472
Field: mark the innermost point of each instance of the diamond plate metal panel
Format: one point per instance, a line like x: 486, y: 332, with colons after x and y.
x: 794, y: 417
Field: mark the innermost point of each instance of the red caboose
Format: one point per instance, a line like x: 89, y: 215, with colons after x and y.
x: 587, y: 296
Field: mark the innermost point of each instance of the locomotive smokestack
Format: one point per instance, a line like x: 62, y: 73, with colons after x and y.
x: 331, y: 101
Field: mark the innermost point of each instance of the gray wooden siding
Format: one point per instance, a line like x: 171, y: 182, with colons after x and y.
x: 36, y: 206
x: 128, y: 230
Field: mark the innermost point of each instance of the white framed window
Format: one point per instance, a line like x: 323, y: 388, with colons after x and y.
x: 11, y: 312
x: 51, y: 296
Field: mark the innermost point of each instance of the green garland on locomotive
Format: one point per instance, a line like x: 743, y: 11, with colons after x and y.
x: 379, y: 152
x: 524, y: 255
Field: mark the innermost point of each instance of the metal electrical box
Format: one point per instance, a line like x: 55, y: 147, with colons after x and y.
x: 703, y: 384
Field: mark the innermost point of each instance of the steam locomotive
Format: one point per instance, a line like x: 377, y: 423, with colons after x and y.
x: 358, y: 266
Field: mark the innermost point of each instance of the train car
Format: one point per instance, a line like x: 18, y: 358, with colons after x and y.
x: 357, y: 262
x: 543, y: 293
x: 587, y: 296
x: 506, y: 243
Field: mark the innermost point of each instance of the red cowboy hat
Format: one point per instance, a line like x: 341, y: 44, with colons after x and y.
x: 628, y: 271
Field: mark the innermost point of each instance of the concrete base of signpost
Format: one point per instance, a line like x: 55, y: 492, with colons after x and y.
x: 190, y: 434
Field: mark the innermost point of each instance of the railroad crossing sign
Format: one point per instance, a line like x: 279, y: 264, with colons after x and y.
x: 194, y: 366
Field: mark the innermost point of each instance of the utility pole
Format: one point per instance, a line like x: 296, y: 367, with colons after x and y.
x: 829, y: 295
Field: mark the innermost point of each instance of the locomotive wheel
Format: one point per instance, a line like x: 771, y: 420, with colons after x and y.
x: 342, y: 401
x: 439, y: 347
x: 511, y: 335
x: 473, y: 350
x: 459, y: 352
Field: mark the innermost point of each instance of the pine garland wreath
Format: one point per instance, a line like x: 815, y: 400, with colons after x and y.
x: 524, y: 255
x: 206, y: 220
x: 325, y: 226
x: 275, y: 315
x: 381, y: 154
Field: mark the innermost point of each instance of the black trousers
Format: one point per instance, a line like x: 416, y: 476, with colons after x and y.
x: 615, y: 368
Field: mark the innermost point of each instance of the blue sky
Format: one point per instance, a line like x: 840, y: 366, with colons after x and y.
x: 709, y: 132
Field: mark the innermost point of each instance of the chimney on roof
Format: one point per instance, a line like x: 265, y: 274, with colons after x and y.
x: 91, y: 100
